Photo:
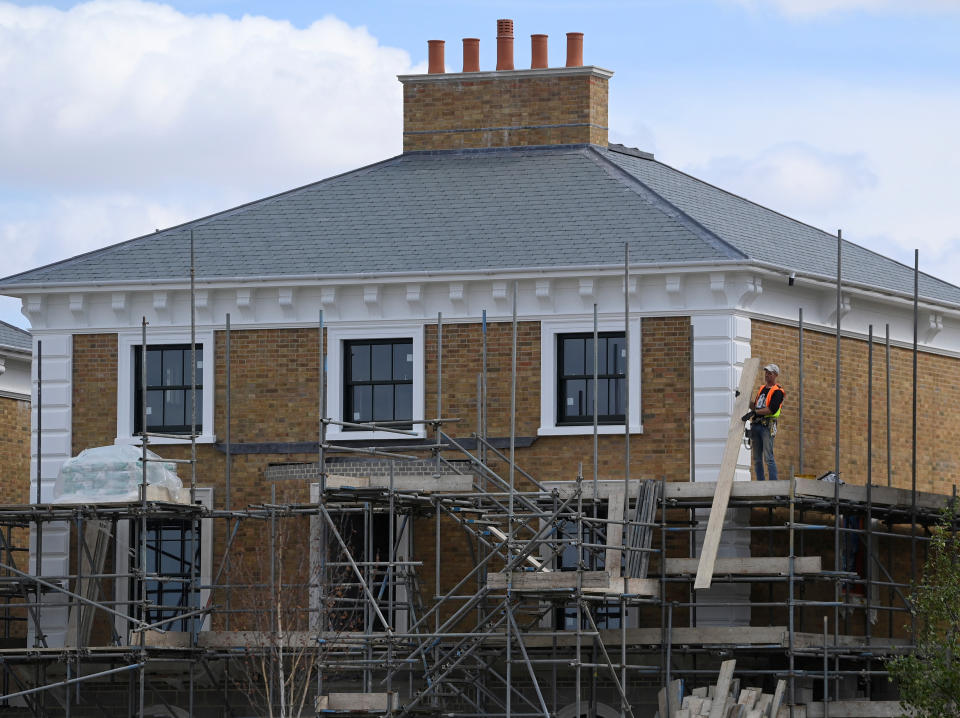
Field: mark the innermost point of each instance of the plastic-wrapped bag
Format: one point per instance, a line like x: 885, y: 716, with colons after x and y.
x: 112, y: 473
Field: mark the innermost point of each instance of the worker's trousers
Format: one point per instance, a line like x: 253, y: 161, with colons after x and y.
x: 762, y: 444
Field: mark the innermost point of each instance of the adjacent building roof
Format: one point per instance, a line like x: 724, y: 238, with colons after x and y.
x: 15, y: 338
x: 485, y: 210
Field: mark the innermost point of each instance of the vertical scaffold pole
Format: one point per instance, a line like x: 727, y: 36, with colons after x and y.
x: 800, y: 390
x: 913, y: 452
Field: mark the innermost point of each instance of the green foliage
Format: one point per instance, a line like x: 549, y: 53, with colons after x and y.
x: 929, y: 680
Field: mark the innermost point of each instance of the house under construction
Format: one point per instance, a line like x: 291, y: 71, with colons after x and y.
x: 459, y: 434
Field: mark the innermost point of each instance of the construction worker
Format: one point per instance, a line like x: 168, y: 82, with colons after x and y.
x: 763, y: 428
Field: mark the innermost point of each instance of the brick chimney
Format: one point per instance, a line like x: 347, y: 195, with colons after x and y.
x: 507, y: 108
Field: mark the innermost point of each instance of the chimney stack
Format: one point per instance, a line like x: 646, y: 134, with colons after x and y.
x: 574, y: 49
x: 504, y: 44
x: 471, y: 54
x: 435, y: 57
x: 538, y: 52
x: 507, y: 107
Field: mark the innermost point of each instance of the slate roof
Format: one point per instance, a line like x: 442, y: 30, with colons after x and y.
x: 15, y: 337
x: 495, y: 210
x: 771, y: 237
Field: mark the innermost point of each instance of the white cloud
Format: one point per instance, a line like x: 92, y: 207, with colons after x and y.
x: 123, y: 93
x: 811, y: 8
x: 121, y: 116
x: 793, y: 178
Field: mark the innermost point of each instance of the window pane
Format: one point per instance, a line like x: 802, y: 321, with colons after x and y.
x: 360, y: 362
x: 588, y: 355
x: 615, y: 357
x: 603, y: 398
x: 620, y: 396
x: 173, y: 414
x: 575, y: 396
x: 173, y: 367
x: 403, y: 361
x: 403, y: 401
x: 154, y: 408
x: 382, y: 360
x: 383, y: 402
x: 362, y: 403
x: 572, y: 356
x: 154, y: 369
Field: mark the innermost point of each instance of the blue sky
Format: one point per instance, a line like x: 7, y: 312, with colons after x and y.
x: 122, y: 116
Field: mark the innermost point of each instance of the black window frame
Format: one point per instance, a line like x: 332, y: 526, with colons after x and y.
x: 168, y: 599
x: 606, y: 614
x: 349, y: 382
x: 183, y: 388
x: 586, y: 419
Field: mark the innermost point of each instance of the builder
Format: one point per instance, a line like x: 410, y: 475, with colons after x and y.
x: 766, y: 408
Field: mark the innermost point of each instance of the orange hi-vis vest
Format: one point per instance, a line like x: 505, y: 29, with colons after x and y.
x: 773, y: 388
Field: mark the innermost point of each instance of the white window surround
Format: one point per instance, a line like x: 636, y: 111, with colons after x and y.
x: 122, y: 591
x: 125, y: 395
x: 549, y: 329
x: 336, y: 336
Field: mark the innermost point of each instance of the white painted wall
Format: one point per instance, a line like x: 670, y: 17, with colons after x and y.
x: 55, y: 447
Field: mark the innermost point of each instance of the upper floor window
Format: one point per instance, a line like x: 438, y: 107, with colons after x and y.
x: 575, y: 381
x: 566, y: 376
x: 169, y: 395
x: 378, y: 380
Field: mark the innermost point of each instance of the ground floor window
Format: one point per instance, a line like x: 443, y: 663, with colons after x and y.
x: 172, y: 558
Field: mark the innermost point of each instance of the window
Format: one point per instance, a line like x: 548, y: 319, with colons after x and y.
x: 378, y: 380
x: 169, y: 401
x: 387, y: 383
x: 606, y: 613
x: 168, y: 386
x: 173, y: 552
x: 575, y: 378
x: 566, y: 376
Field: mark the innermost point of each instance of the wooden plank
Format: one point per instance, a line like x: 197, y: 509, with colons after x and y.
x: 763, y: 704
x: 501, y: 536
x: 777, y: 698
x: 542, y: 581
x: 629, y: 587
x: 728, y: 467
x: 718, y: 709
x: 662, y: 702
x: 614, y: 555
x: 363, y: 702
x: 753, y: 566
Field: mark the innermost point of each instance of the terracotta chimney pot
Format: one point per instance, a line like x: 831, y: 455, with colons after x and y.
x: 538, y: 52
x: 504, y: 44
x: 435, y: 57
x: 471, y: 54
x: 574, y: 49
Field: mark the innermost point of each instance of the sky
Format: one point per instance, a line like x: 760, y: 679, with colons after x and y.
x: 118, y: 117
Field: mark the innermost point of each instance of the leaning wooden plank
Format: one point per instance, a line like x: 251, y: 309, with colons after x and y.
x: 681, y: 713
x: 718, y: 709
x: 777, y: 698
x: 763, y: 704
x: 662, y: 702
x: 501, y: 536
x: 676, y: 694
x: 728, y: 467
x: 701, y: 692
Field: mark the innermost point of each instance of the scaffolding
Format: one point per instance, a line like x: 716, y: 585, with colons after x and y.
x: 577, y: 597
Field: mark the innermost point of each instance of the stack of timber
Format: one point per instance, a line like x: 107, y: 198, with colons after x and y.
x: 724, y: 699
x: 640, y: 531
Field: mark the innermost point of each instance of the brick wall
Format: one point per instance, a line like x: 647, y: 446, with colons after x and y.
x: 274, y: 399
x: 937, y: 464
x: 14, y: 450
x: 938, y: 379
x: 505, y: 111
x: 94, y: 412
